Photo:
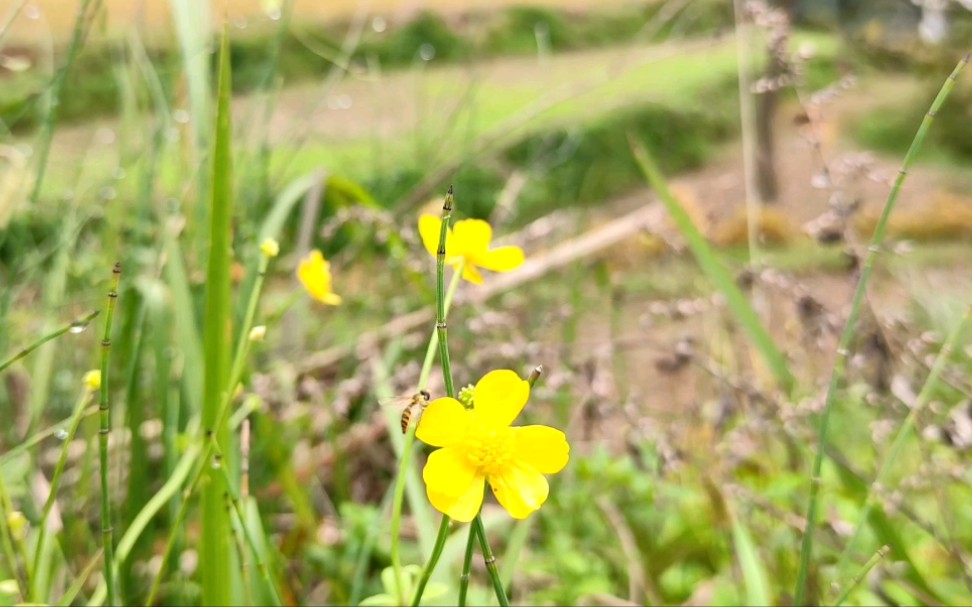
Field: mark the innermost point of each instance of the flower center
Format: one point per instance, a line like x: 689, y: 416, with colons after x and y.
x: 489, y: 449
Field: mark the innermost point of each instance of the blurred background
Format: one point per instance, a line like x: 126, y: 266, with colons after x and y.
x: 781, y: 127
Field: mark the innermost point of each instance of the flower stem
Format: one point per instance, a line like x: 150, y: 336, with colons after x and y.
x: 840, y: 364
x: 75, y: 422
x: 75, y: 326
x: 490, y: 561
x: 440, y: 315
x: 440, y: 331
x: 399, y: 497
x: 106, y: 530
x: 466, y: 566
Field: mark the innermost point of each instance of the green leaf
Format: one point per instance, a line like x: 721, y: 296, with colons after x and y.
x: 217, y: 552
x: 754, y: 574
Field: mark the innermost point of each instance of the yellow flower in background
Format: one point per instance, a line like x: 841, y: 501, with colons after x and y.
x: 478, y: 445
x: 92, y: 380
x: 270, y: 247
x: 315, y: 273
x: 467, y: 243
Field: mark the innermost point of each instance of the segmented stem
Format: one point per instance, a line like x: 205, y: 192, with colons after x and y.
x: 876, y: 558
x: 466, y: 566
x: 490, y: 561
x: 840, y: 364
x: 440, y: 329
x: 408, y: 444
x: 440, y: 312
x: 103, y: 408
x: 75, y: 326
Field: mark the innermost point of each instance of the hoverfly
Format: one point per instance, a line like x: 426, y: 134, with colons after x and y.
x: 417, y: 401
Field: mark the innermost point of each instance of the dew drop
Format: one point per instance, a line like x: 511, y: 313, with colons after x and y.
x: 120, y: 173
x: 274, y: 14
x: 78, y: 327
x: 427, y: 52
x: 379, y: 24
x: 61, y: 434
x: 217, y: 463
x: 32, y: 12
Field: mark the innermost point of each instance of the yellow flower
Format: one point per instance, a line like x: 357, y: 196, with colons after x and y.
x: 478, y: 445
x: 92, y: 380
x: 315, y: 272
x: 17, y: 523
x: 468, y: 243
x: 270, y: 247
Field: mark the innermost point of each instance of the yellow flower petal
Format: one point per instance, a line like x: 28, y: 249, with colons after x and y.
x: 429, y: 229
x: 472, y: 237
x: 501, y: 259
x: 463, y: 508
x: 448, y: 472
x: 443, y: 423
x: 315, y: 274
x: 499, y: 397
x: 520, y: 489
x: 470, y: 273
x: 543, y: 448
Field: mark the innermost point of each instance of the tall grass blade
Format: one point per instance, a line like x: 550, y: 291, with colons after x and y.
x: 747, y: 555
x: 850, y: 328
x: 216, y: 551
x: 708, y: 260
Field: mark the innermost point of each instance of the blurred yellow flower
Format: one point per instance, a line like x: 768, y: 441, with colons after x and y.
x: 270, y: 247
x: 92, y: 380
x: 478, y: 445
x: 17, y: 523
x: 315, y: 273
x: 467, y: 243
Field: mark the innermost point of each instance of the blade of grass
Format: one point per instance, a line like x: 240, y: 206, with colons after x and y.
x: 67, y: 598
x: 708, y: 260
x: 216, y: 552
x: 924, y: 396
x: 747, y: 555
x: 850, y: 328
x: 85, y: 14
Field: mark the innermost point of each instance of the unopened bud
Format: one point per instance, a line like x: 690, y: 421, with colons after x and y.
x: 270, y: 247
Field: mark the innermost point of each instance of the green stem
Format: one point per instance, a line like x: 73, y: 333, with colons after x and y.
x: 242, y: 350
x: 76, y: 418
x: 440, y: 540
x: 466, y: 566
x: 849, y: 329
x: 490, y: 561
x: 871, y: 562
x: 409, y: 441
x: 6, y: 509
x: 440, y: 313
x: 234, y: 499
x: 106, y: 530
x: 440, y: 330
x: 75, y: 326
